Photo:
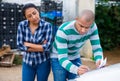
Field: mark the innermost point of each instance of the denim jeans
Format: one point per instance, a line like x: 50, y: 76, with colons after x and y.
x: 61, y: 74
x: 41, y: 70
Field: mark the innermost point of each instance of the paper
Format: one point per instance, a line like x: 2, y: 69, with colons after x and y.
x: 103, y: 63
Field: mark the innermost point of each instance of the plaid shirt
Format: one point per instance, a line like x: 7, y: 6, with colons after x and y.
x: 43, y: 32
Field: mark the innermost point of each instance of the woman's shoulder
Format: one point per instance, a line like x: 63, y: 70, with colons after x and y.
x: 44, y: 23
x: 24, y: 22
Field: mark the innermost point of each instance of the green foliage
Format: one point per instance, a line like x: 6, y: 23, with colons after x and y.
x: 17, y: 60
x: 92, y: 58
x: 108, y: 21
x: 104, y: 0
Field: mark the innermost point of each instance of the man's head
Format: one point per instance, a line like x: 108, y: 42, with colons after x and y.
x: 84, y: 21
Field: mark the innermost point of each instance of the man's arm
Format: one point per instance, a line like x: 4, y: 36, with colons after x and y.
x: 61, y: 41
x: 96, y: 46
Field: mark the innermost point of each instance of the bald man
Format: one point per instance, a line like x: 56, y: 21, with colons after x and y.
x: 70, y: 37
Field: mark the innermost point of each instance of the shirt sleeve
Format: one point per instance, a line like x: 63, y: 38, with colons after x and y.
x: 48, y: 37
x: 20, y: 40
x: 61, y: 42
x: 95, y: 42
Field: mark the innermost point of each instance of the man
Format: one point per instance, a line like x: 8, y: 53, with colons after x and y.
x: 70, y: 38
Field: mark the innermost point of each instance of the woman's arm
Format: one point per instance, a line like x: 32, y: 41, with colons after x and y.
x: 46, y: 44
x: 34, y: 47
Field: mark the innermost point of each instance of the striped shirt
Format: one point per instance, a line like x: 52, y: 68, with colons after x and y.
x: 68, y: 42
x: 43, y: 32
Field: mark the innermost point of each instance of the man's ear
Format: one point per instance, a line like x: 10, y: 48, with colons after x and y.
x: 76, y: 18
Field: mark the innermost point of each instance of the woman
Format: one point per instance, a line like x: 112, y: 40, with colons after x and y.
x: 34, y: 38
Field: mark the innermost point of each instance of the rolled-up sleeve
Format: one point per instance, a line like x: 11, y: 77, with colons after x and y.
x: 48, y: 37
x: 20, y: 40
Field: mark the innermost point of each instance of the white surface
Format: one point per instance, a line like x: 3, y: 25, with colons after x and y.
x: 37, y: 2
x: 109, y: 73
x: 69, y: 9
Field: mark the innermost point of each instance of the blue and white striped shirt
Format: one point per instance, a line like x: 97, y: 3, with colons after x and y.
x: 43, y: 32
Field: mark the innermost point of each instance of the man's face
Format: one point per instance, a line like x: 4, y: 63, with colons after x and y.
x: 32, y: 15
x: 82, y: 25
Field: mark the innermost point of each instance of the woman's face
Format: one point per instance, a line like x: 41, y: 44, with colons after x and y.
x: 32, y: 15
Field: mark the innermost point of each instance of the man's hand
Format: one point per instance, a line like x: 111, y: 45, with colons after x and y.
x: 83, y: 69
x: 98, y: 63
x: 101, y: 63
